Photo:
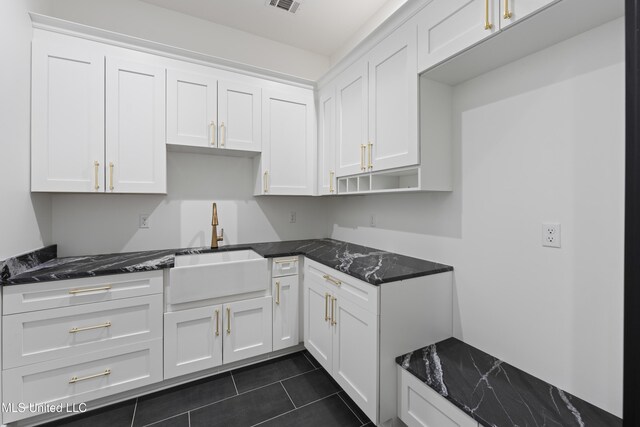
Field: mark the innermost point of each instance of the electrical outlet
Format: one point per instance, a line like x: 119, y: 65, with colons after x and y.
x: 144, y: 221
x: 551, y: 234
x: 372, y: 220
x: 292, y: 217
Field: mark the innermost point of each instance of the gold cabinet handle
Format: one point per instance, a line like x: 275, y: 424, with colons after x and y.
x: 217, y: 322
x: 370, y: 155
x: 277, y: 293
x: 363, y: 148
x: 111, y: 176
x: 96, y: 171
x: 222, y: 134
x: 81, y: 291
x: 487, y: 24
x: 265, y: 182
x: 228, y: 320
x: 333, y: 311
x: 331, y: 175
x: 332, y: 280
x: 88, y: 328
x: 507, y: 13
x: 285, y: 261
x: 74, y: 380
x: 213, y: 133
x: 326, y: 307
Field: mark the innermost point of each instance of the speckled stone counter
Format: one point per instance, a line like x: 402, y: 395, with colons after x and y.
x: 495, y: 393
x: 370, y: 265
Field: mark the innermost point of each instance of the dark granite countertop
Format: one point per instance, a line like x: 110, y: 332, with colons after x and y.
x: 495, y: 393
x: 370, y: 265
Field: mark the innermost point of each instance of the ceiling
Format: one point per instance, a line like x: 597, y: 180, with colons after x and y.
x: 319, y: 26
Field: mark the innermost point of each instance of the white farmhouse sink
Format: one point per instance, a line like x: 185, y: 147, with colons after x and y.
x: 217, y: 274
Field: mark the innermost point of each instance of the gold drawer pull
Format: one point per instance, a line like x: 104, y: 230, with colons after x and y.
x: 96, y: 165
x: 74, y: 380
x: 507, y: 13
x: 332, y: 280
x: 217, y: 322
x: 111, y: 176
x: 326, y: 307
x: 88, y: 328
x: 333, y: 311
x: 277, y: 293
x: 285, y: 261
x: 370, y: 155
x: 363, y: 149
x: 223, y: 134
x: 213, y: 133
x: 265, y: 182
x: 81, y: 291
x: 487, y: 23
x: 228, y: 320
x: 331, y: 174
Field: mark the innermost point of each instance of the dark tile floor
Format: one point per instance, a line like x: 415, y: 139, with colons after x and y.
x: 288, y: 391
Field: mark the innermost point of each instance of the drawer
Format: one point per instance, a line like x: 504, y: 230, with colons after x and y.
x: 344, y: 286
x: 421, y: 406
x: 82, y: 378
x: 287, y: 266
x: 65, y: 293
x: 39, y: 336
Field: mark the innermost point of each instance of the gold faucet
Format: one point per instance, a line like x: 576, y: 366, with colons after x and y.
x: 214, y: 233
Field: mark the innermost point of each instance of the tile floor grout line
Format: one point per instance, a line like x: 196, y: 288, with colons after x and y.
x: 307, y: 357
x: 288, y: 395
x: 352, y: 411
x: 133, y: 417
x: 277, y: 381
x: 234, y: 383
x: 297, y: 409
x: 165, y: 419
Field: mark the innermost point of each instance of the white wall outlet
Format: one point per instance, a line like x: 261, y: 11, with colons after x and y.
x: 144, y: 221
x: 551, y: 234
x: 372, y: 220
x: 292, y: 217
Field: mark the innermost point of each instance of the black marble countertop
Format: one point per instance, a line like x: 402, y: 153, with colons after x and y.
x: 495, y: 393
x: 370, y: 265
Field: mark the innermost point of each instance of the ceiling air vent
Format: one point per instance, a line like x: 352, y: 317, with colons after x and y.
x: 288, y: 5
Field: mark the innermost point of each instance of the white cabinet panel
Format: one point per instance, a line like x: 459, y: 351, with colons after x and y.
x: 318, y: 337
x: 247, y: 329
x: 67, y: 117
x: 446, y: 27
x: 192, y: 340
x: 285, y: 312
x: 191, y: 108
x: 393, y: 101
x: 513, y: 10
x: 239, y: 113
x: 327, y: 141
x: 135, y: 127
x: 352, y: 128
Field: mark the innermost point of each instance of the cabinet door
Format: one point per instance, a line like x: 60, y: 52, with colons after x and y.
x: 67, y: 118
x: 446, y: 27
x: 514, y: 10
x: 247, y: 329
x: 352, y: 103
x: 355, y: 354
x: 327, y: 141
x: 318, y: 338
x: 240, y: 116
x: 191, y: 109
x: 289, y: 154
x: 393, y: 101
x: 135, y: 129
x: 192, y: 340
x: 285, y: 312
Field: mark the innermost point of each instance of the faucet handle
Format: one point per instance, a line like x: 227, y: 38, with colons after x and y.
x: 221, y: 236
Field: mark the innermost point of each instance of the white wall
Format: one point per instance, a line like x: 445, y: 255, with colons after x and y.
x: 25, y: 218
x: 147, y: 21
x: 541, y: 139
x: 103, y: 223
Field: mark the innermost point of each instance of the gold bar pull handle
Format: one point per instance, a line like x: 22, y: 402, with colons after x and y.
x: 487, y: 23
x: 326, y: 307
x: 214, y: 130
x: 363, y: 148
x: 265, y: 182
x: 96, y: 171
x: 88, y: 328
x: 277, y: 293
x: 228, y: 320
x: 370, y: 155
x: 81, y: 291
x: 74, y: 380
x: 217, y: 322
x: 332, y: 280
x: 222, y: 134
x: 110, y: 176
x: 507, y: 13
x: 331, y: 175
x: 333, y: 311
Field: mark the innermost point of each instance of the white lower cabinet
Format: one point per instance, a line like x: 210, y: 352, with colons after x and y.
x: 421, y: 406
x: 285, y: 312
x: 247, y: 329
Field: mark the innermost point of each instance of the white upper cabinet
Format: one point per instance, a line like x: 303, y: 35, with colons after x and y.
x: 135, y: 127
x: 514, y: 10
x: 191, y: 108
x: 288, y: 143
x: 239, y: 115
x: 327, y: 141
x: 393, y: 101
x: 446, y: 27
x: 67, y: 123
x: 352, y: 127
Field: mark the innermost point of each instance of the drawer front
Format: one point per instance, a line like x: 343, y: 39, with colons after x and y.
x: 286, y: 266
x: 344, y: 286
x: 81, y: 379
x: 66, y: 293
x: 421, y: 406
x: 44, y: 335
